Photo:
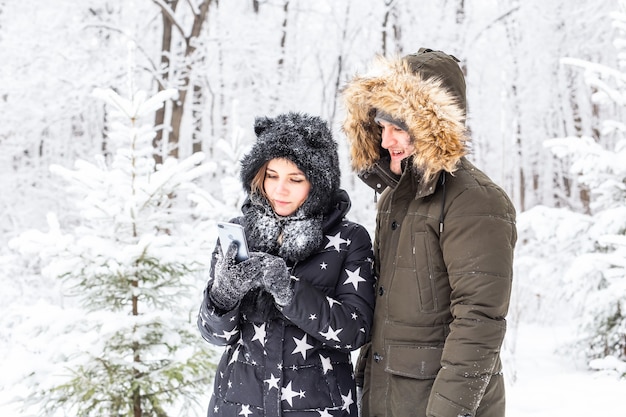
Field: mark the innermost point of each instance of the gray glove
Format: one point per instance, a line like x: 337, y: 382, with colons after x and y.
x: 276, y: 279
x: 231, y: 280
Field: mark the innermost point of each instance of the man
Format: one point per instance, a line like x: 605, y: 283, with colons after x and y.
x: 445, y: 235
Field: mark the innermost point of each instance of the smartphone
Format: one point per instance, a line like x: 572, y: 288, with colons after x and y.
x: 232, y: 232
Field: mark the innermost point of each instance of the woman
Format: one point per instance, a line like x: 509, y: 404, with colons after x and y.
x: 294, y: 310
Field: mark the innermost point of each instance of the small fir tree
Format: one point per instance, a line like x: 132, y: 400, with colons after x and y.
x: 132, y: 260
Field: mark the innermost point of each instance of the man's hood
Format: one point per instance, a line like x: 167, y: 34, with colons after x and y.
x: 426, y: 91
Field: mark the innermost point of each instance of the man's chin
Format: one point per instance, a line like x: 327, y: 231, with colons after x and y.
x: 396, y: 167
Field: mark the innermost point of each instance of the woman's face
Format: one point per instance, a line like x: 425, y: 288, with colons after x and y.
x: 286, y: 186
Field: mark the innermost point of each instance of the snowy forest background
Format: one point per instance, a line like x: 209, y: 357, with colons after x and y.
x: 121, y: 127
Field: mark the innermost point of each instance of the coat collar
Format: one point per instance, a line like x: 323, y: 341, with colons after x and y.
x: 379, y: 177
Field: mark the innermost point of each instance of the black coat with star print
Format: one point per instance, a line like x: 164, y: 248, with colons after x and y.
x: 296, y: 361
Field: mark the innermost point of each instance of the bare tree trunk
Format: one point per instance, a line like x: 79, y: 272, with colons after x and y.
x: 280, y: 70
x: 198, y: 101
x: 178, y: 106
x: 513, y: 38
x: 390, y: 25
x: 339, y: 73
x: 383, y: 46
x: 283, y: 38
x: 166, y: 49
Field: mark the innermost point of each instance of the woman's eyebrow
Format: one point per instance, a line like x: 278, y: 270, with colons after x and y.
x: 300, y: 173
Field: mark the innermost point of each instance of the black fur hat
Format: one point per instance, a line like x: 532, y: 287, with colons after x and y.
x: 307, y: 142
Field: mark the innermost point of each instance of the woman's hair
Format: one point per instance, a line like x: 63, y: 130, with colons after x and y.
x: 256, y: 185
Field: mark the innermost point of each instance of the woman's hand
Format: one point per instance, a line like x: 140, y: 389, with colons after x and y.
x: 231, y: 280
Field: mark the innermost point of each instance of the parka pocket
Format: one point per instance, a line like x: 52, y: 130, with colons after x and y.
x: 414, y: 286
x: 418, y: 362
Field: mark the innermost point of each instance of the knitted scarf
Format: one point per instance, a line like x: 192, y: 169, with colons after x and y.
x: 293, y: 237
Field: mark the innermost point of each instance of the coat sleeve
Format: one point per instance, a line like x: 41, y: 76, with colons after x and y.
x: 217, y: 326
x: 477, y: 242
x: 342, y: 319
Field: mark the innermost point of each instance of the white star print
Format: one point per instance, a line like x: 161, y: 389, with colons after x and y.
x: 324, y: 413
x: 227, y: 335
x: 347, y: 401
x: 235, y: 356
x: 301, y: 346
x: 287, y: 394
x: 331, y: 334
x: 332, y: 301
x: 335, y: 241
x: 354, y: 278
x: 245, y: 410
x: 326, y: 365
x: 272, y: 382
x: 323, y: 265
x: 259, y: 334
x: 354, y: 316
x: 313, y: 317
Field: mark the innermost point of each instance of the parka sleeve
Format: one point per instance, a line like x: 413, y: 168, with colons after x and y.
x: 216, y: 326
x: 343, y: 318
x: 477, y: 242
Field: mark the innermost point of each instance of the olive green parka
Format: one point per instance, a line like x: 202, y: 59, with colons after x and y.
x: 445, y: 235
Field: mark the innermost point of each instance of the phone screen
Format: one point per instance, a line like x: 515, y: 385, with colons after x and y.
x: 232, y: 232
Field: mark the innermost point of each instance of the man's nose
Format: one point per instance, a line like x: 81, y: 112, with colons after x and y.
x: 387, y: 139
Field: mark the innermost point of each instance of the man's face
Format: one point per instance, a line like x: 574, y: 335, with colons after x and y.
x: 398, y: 142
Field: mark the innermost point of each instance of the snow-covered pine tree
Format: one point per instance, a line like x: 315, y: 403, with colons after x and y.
x: 599, y: 276
x: 131, y: 347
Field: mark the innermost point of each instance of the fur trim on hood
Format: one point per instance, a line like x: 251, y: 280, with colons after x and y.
x: 426, y: 91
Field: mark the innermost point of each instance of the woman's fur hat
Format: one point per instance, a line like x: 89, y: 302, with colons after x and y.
x: 425, y: 92
x: 307, y: 142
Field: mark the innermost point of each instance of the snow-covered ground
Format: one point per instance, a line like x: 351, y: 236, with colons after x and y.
x: 542, y: 380
x: 551, y: 383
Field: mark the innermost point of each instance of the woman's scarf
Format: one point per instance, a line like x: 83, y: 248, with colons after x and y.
x: 293, y: 237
